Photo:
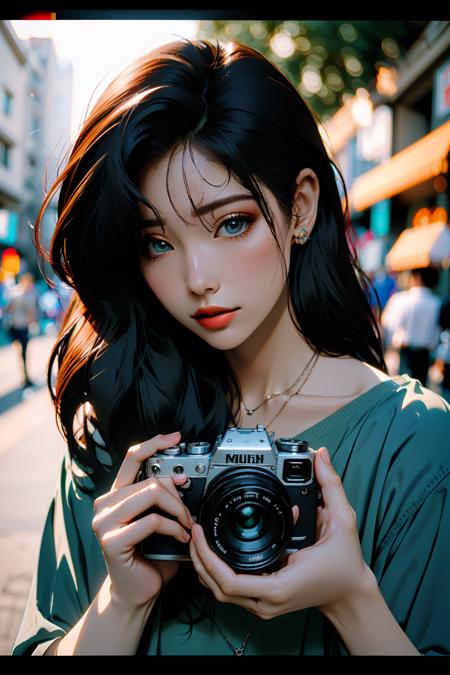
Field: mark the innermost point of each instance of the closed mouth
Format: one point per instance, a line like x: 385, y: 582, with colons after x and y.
x: 209, y: 316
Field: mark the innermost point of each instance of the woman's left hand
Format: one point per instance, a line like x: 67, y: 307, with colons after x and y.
x: 325, y: 575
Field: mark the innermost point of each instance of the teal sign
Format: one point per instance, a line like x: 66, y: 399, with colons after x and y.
x: 9, y: 221
x: 380, y: 218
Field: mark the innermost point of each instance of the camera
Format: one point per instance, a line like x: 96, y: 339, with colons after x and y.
x: 241, y: 491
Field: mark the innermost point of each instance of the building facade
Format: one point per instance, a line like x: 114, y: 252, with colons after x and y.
x: 36, y: 90
x: 396, y: 163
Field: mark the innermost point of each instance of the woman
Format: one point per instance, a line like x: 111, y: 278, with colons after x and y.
x: 200, y: 180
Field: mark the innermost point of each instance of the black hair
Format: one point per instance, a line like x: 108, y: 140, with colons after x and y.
x: 122, y: 357
x: 429, y: 276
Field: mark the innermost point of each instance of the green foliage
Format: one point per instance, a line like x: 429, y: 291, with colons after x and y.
x: 329, y: 58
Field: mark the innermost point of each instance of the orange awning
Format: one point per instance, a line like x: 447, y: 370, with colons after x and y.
x: 415, y: 164
x: 424, y: 246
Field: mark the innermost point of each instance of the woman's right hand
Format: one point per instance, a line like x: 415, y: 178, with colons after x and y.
x: 135, y: 580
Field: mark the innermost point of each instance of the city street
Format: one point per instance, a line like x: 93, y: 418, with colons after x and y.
x: 31, y: 450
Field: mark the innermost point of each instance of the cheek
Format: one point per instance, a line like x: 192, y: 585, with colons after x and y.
x: 259, y: 261
x: 161, y: 282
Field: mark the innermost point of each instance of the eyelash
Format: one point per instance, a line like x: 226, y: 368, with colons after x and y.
x: 146, y: 240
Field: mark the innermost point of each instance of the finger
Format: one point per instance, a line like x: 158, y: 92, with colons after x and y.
x: 137, y: 454
x: 112, y: 498
x: 230, y: 583
x: 152, y: 495
x: 330, y: 482
x: 134, y: 533
x: 208, y: 581
x: 204, y: 577
x: 172, y: 483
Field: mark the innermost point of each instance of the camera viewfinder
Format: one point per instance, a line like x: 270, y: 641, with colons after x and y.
x: 297, y: 470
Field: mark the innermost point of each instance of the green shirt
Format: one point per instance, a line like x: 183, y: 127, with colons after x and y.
x: 391, y: 447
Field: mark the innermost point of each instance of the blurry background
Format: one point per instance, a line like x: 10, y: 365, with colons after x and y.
x: 381, y: 92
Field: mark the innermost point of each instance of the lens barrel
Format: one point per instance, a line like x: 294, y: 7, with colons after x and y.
x: 247, y: 518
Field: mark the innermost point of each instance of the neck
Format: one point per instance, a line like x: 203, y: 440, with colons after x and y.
x: 272, y: 358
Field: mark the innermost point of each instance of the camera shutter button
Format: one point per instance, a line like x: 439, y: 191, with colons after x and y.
x: 172, y: 451
x: 200, y: 448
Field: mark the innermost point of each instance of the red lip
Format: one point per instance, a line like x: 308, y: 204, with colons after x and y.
x: 212, y: 310
x: 217, y: 321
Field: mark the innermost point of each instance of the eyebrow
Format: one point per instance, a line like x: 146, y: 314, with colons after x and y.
x: 155, y: 222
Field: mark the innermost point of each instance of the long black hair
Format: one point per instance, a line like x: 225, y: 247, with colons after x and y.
x: 123, y: 361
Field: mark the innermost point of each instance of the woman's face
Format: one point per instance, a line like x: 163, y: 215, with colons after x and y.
x: 236, y: 264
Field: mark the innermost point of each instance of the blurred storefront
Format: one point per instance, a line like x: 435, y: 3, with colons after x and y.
x: 35, y: 100
x: 392, y: 145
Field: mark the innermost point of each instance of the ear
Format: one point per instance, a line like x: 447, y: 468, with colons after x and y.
x: 306, y: 200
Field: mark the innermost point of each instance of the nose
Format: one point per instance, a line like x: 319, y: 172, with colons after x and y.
x: 200, y: 276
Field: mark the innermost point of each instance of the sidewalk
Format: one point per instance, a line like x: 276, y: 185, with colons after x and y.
x: 31, y: 449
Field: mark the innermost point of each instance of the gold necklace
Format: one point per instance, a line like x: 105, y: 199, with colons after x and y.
x: 316, y: 355
x: 250, y: 411
x: 306, y: 372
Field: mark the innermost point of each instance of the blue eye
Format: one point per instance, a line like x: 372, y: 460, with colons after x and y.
x: 159, y: 242
x: 146, y: 242
x: 235, y: 221
x: 237, y: 218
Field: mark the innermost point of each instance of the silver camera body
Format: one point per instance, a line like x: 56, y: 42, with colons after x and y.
x: 241, y: 491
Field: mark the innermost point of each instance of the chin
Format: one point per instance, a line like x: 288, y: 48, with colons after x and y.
x: 223, y: 340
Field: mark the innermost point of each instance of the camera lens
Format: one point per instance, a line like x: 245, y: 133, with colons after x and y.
x: 247, y: 518
x: 249, y: 522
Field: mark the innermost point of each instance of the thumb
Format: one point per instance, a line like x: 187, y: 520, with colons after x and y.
x: 329, y: 481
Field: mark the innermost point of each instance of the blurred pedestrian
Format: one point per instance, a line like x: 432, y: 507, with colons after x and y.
x: 383, y: 286
x: 410, y: 323
x: 22, y: 311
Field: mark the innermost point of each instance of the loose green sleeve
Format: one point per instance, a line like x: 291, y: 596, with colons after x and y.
x: 69, y: 573
x: 412, y: 552
x: 413, y: 572
x: 391, y: 447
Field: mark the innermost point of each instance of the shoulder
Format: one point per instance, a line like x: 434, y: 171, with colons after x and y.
x: 416, y: 421
x: 409, y: 424
x: 369, y: 376
x: 396, y: 299
x: 345, y: 377
x: 417, y: 416
x: 396, y: 304
x: 411, y: 457
x: 13, y: 292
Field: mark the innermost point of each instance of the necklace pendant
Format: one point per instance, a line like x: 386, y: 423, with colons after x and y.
x: 238, y: 651
x: 250, y: 412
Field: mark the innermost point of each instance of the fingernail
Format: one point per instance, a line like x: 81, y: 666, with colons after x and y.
x: 325, y: 456
x: 180, y: 478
